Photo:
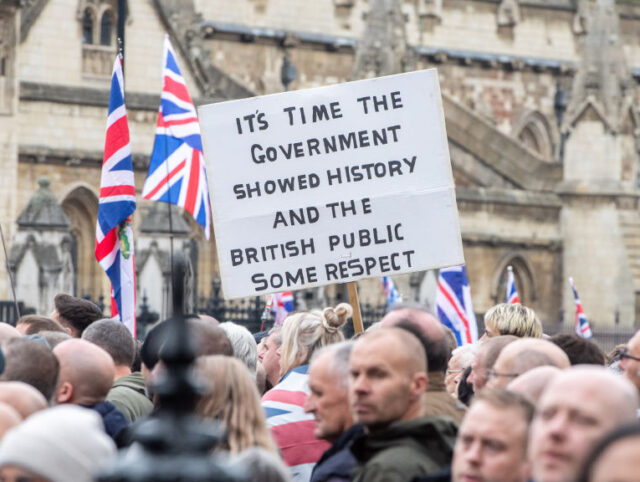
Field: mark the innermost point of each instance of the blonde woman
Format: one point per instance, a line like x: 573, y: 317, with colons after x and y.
x: 511, y: 319
x: 302, y: 334
x: 233, y: 400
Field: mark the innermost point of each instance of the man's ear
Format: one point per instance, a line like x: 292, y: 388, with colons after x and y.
x: 419, y: 384
x: 64, y: 394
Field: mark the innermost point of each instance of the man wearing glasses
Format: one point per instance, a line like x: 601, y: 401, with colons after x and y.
x: 630, y: 360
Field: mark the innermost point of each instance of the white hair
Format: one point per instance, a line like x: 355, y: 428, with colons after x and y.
x: 466, y: 353
x: 243, y: 343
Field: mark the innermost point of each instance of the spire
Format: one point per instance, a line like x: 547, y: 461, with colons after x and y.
x: 383, y: 49
x: 603, y: 78
x: 43, y: 210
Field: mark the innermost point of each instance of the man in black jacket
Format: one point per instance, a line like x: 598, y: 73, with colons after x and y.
x: 329, y: 404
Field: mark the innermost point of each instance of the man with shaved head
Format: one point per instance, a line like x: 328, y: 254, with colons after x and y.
x: 23, y: 397
x: 86, y: 376
x: 531, y: 384
x: 486, y: 356
x: 433, y: 335
x: 523, y: 355
x: 576, y: 409
x: 388, y: 380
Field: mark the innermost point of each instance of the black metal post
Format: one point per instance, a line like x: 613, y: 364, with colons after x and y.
x: 122, y: 17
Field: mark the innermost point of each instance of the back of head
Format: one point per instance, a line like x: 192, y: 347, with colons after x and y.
x: 262, y: 465
x: 8, y: 332
x: 437, y: 345
x: 9, y: 418
x: 54, y: 337
x: 31, y: 362
x: 32, y: 324
x: 532, y: 383
x: 492, y: 347
x: 580, y: 351
x: 305, y: 332
x: 554, y: 353
x: 87, y: 369
x: 59, y: 444
x: 76, y: 313
x: 26, y: 399
x: 233, y: 399
x: 244, y: 345
x: 530, y: 359
x: 114, y: 338
x: 513, y: 319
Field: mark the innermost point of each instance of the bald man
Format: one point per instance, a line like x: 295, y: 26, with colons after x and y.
x: 86, y: 376
x: 576, y: 409
x: 9, y: 418
x: 436, y: 345
x: 26, y: 399
x: 523, y: 355
x: 531, y: 384
x: 387, y: 380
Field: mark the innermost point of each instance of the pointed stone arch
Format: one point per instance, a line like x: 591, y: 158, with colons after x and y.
x: 80, y: 203
x: 524, y: 278
x: 535, y: 131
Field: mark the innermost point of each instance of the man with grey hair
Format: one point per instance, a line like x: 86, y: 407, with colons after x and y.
x: 329, y: 404
x: 243, y: 343
x: 128, y: 392
x: 576, y: 409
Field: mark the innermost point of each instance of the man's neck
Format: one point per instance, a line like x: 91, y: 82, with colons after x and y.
x: 121, y: 371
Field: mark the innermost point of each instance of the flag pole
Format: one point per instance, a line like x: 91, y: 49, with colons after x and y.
x: 6, y: 260
x: 122, y: 11
x: 352, y: 289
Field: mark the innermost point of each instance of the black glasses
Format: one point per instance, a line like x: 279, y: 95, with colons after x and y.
x: 495, y: 374
x: 625, y: 354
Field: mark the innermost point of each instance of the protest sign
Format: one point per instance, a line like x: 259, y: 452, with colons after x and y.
x: 330, y: 185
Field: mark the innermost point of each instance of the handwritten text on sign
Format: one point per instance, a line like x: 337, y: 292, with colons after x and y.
x: 330, y: 185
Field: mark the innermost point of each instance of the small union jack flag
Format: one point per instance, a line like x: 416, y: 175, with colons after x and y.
x: 281, y: 305
x: 453, y: 304
x: 582, y: 324
x: 390, y: 292
x: 177, y: 172
x: 114, y: 236
x: 512, y: 292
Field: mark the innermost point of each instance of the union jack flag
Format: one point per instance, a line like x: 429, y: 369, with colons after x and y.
x: 281, y: 305
x: 177, y: 172
x: 582, y: 324
x: 390, y: 292
x: 453, y: 304
x: 512, y: 292
x: 114, y: 236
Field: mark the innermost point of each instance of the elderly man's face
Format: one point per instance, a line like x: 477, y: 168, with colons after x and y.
x: 478, y: 376
x: 630, y: 366
x: 270, y: 358
x: 453, y: 374
x: 569, y: 420
x: 328, y: 400
x: 13, y: 473
x: 380, y: 388
x: 491, y: 445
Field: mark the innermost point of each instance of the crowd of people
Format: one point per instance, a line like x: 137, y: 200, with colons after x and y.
x: 400, y: 402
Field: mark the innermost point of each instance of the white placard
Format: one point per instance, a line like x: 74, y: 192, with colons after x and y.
x: 330, y: 185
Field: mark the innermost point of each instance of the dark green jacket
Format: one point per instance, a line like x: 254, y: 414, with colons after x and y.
x: 405, y: 450
x: 128, y: 394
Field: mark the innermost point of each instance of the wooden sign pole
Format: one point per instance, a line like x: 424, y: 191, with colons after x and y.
x: 352, y: 289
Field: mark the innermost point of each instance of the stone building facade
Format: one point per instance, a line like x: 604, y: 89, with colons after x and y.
x: 540, y: 101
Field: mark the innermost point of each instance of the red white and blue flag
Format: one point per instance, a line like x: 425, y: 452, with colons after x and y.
x: 453, y: 304
x: 512, y: 292
x: 291, y: 427
x: 177, y: 172
x: 582, y: 324
x: 281, y: 305
x: 390, y: 292
x: 114, y: 235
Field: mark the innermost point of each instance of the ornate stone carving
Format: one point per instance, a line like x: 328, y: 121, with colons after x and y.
x: 97, y: 60
x: 508, y: 13
x: 383, y: 49
x: 430, y: 13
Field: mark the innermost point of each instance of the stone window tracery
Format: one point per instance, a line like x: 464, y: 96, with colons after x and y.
x: 97, y: 19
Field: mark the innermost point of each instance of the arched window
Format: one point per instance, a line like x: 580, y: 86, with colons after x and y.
x: 106, y: 26
x: 87, y: 27
x: 523, y: 275
x: 535, y: 131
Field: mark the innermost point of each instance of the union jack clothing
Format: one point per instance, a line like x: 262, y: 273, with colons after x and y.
x: 390, y: 292
x: 177, y: 172
x: 290, y: 426
x: 114, y: 236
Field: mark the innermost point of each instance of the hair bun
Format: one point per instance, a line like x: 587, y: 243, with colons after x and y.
x: 334, y: 318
